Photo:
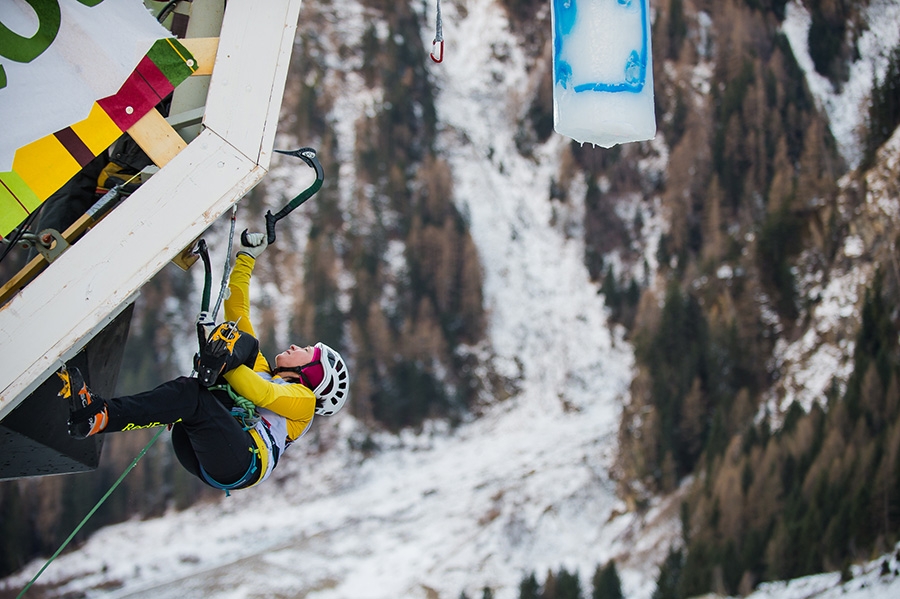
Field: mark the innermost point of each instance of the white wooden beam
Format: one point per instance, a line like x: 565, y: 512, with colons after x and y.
x: 233, y: 112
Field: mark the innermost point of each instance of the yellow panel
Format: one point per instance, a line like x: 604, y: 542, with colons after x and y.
x: 98, y: 131
x: 45, y: 166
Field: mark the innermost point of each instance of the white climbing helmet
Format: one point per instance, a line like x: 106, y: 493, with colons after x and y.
x: 334, y: 390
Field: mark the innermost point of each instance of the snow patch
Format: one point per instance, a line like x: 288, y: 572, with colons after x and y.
x: 847, y: 108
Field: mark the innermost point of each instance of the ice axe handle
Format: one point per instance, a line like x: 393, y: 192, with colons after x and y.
x: 308, y: 155
x: 270, y: 226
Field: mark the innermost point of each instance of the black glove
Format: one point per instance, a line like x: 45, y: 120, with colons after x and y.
x: 227, y: 348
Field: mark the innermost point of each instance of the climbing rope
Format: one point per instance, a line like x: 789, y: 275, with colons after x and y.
x: 206, y: 320
x: 227, y: 271
x: 244, y: 409
x: 94, y: 509
x: 438, y: 36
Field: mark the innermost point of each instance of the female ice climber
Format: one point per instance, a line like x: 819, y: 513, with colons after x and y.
x: 216, y: 434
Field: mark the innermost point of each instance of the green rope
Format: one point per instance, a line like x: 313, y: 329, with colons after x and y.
x: 91, y: 513
x: 249, y: 418
x: 243, y: 402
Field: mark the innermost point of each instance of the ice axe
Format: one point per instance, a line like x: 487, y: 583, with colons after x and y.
x: 307, y: 155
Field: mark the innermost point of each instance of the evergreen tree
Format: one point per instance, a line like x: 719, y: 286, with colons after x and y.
x: 529, y: 588
x: 568, y: 585
x: 668, y: 584
x: 549, y: 589
x: 677, y: 356
x: 606, y: 582
x: 779, y: 241
x: 884, y: 107
x: 876, y: 345
x: 677, y: 28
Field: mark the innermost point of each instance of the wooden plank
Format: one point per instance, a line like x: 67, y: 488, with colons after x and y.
x: 204, y: 51
x: 157, y: 138
x: 38, y: 263
x: 21, y: 278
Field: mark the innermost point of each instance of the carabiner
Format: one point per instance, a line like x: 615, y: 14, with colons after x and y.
x: 438, y: 35
x: 439, y: 44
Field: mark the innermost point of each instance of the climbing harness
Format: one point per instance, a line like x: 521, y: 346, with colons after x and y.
x: 244, y: 411
x: 307, y: 155
x: 91, y: 513
x: 251, y: 470
x: 438, y: 36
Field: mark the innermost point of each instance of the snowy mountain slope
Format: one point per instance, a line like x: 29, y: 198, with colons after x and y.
x: 444, y: 512
x: 847, y: 108
x: 877, y: 579
x: 811, y: 362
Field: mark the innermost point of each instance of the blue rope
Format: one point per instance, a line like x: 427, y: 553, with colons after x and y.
x: 91, y: 513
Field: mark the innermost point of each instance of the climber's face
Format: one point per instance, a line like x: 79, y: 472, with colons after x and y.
x: 295, y: 356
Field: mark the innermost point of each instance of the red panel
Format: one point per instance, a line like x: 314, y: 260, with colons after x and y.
x: 155, y: 78
x: 134, y: 99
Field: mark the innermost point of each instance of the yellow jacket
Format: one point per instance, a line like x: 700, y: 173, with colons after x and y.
x: 295, y: 402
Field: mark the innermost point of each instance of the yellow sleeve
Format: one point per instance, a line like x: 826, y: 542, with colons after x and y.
x: 237, y: 304
x: 295, y: 402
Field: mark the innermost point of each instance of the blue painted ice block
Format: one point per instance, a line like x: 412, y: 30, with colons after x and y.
x: 602, y: 71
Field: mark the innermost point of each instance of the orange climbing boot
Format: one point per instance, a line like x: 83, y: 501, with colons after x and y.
x: 87, y: 411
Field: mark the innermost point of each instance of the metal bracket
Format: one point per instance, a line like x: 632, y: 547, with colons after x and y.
x: 49, y: 243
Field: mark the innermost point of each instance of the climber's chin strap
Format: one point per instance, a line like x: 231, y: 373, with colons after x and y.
x: 298, y: 370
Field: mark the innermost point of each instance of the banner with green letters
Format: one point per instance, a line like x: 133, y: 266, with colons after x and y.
x: 74, y: 74
x: 57, y: 57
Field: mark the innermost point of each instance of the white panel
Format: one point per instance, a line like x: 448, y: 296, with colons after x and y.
x: 247, y: 83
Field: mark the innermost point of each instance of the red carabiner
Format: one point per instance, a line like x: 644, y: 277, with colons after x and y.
x: 440, y: 44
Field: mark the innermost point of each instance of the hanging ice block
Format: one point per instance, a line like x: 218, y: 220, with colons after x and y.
x: 602, y: 71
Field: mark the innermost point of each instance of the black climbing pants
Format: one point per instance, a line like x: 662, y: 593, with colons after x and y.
x: 205, y: 434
